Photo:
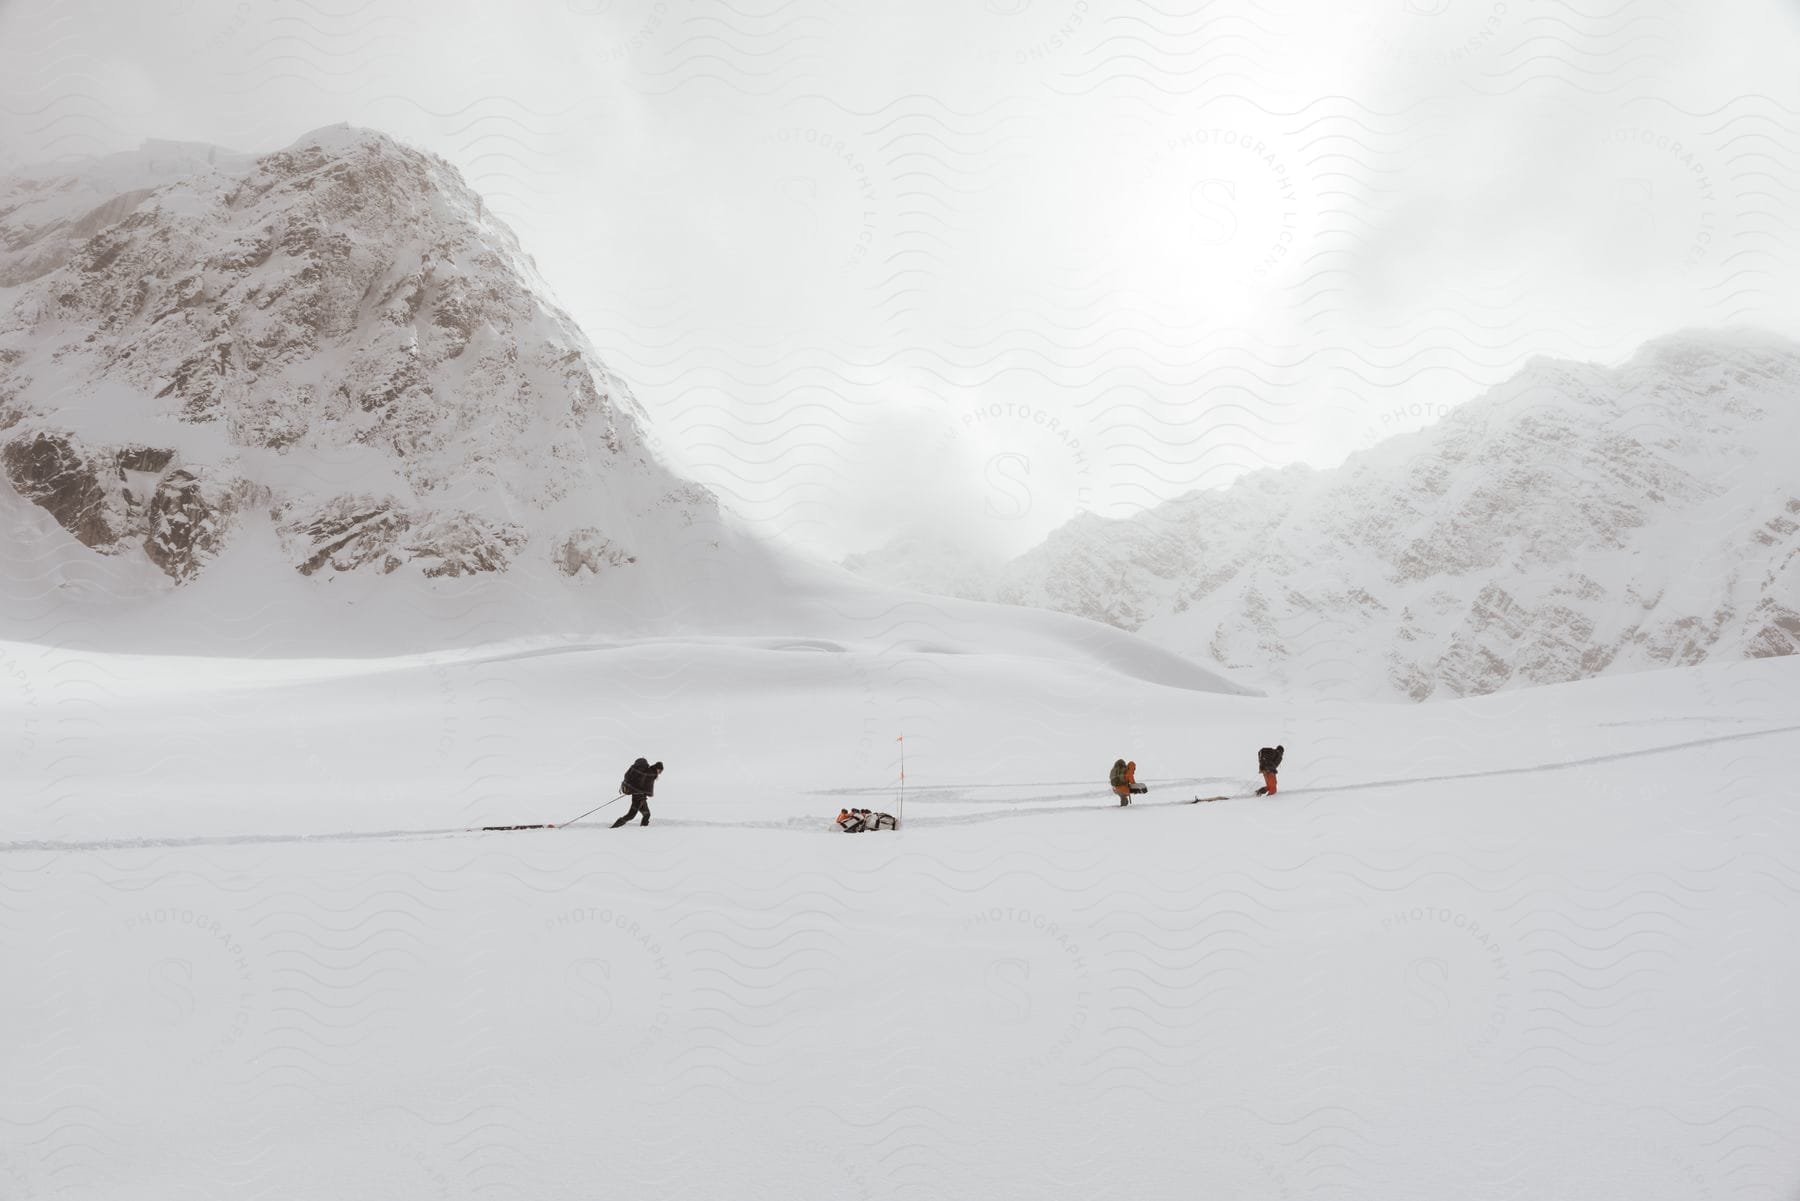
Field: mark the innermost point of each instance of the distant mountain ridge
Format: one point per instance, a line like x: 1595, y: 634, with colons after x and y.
x: 1576, y: 521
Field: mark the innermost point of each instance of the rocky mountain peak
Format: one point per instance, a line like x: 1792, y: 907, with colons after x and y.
x: 339, y: 334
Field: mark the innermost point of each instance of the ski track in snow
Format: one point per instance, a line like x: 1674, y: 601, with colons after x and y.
x: 812, y: 825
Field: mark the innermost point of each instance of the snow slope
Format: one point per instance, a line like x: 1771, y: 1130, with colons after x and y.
x: 1575, y: 522
x: 1533, y: 945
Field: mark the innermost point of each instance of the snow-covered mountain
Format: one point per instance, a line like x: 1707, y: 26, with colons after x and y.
x: 1577, y: 521
x: 320, y: 402
x: 338, y: 336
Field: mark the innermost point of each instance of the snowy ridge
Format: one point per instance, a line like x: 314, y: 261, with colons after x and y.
x: 1575, y: 522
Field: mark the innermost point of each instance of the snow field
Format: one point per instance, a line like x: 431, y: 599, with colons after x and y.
x: 1541, y: 956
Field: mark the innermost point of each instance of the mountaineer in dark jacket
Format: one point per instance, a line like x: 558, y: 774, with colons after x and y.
x: 640, y: 782
x: 1268, y: 762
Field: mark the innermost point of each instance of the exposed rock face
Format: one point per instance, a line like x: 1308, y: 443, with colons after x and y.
x: 1573, y: 522
x: 123, y: 500
x: 29, y: 250
x: 54, y: 473
x: 348, y: 532
x: 337, y: 332
x: 590, y: 551
x: 187, y: 523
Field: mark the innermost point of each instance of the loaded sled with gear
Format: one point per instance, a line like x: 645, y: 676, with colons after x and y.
x: 860, y: 821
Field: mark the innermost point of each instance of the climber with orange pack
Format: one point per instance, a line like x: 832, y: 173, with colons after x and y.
x: 1124, y: 781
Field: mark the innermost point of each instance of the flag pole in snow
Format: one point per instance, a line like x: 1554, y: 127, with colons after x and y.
x: 900, y: 817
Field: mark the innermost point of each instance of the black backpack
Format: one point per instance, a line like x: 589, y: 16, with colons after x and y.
x: 633, y: 779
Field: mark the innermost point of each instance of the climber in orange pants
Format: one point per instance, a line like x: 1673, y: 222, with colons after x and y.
x: 1124, y: 781
x: 1268, y: 762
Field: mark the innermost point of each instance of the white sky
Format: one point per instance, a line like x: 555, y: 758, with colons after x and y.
x: 966, y: 269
